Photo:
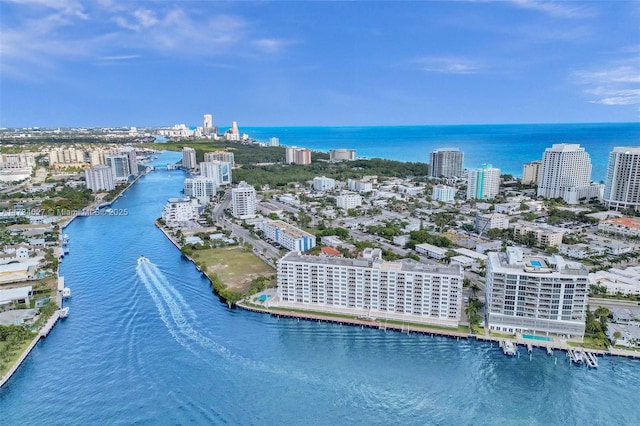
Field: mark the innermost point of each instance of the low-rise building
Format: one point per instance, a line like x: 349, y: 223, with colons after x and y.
x: 623, y: 281
x: 322, y: 183
x: 288, y: 236
x: 403, y: 291
x: 360, y: 186
x: 443, y: 193
x: 545, y: 235
x: 581, y: 251
x: 626, y: 226
x: 484, y: 222
x: 348, y: 201
x: 431, y: 251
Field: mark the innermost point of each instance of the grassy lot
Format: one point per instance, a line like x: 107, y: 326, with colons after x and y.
x: 11, y: 353
x: 235, y: 266
x: 589, y: 343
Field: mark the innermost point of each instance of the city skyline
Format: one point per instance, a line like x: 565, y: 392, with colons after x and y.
x: 108, y: 63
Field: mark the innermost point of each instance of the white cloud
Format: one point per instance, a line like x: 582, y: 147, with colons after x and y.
x: 617, y: 84
x: 448, y: 65
x: 556, y: 9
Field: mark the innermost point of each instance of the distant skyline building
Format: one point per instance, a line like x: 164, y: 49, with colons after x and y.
x: 446, y: 162
x: 274, y: 141
x: 207, y: 125
x: 99, y: 178
x: 295, y: 155
x: 622, y: 186
x: 220, y: 171
x: 483, y: 183
x: 535, y: 294
x: 243, y: 199
x: 189, y: 158
x: 566, y: 174
x: 531, y: 173
x: 342, y: 154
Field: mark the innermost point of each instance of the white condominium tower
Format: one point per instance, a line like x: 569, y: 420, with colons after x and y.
x: 446, y: 162
x: 534, y: 294
x: 207, y: 124
x: 189, y: 158
x: 99, y: 178
x: 483, y: 183
x: 220, y: 171
x: 622, y: 187
x: 565, y: 173
x: 403, y: 291
x: 243, y: 201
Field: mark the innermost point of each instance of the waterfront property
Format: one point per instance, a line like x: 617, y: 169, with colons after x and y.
x: 535, y: 294
x: 403, y: 290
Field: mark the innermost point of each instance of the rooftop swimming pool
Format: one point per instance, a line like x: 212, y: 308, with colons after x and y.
x: 535, y: 263
x: 533, y: 337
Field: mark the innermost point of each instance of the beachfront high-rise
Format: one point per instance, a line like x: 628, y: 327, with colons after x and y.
x: 446, y: 162
x: 566, y: 174
x: 189, y: 158
x: 402, y: 290
x: 207, y: 124
x: 483, y: 183
x: 243, y: 199
x: 531, y: 173
x: 622, y: 187
x: 296, y: 155
x: 342, y: 154
x: 535, y: 294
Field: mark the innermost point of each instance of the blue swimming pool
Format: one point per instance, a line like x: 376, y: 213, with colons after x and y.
x: 535, y: 263
x: 532, y: 337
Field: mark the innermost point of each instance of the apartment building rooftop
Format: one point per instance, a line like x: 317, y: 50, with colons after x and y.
x: 514, y: 260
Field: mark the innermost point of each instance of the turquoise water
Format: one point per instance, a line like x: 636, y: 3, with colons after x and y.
x: 533, y: 337
x: 535, y: 263
x: 153, y: 345
x: 507, y: 147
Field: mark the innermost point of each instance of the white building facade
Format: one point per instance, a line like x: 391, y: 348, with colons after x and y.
x: 322, y: 183
x: 348, y: 201
x: 189, y: 158
x: 407, y: 290
x: 443, y: 193
x: 178, y: 211
x: 99, y: 178
x: 220, y: 171
x: 225, y: 156
x: 536, y: 294
x: 201, y: 188
x: 243, y: 199
x: 622, y: 187
x: 483, y: 183
x: 446, y: 162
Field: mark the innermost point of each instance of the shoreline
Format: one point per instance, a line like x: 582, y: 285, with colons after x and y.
x: 53, y: 320
x: 426, y: 330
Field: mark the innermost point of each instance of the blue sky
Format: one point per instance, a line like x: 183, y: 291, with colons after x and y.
x: 155, y: 63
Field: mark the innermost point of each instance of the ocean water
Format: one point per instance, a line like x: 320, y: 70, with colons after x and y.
x: 151, y: 344
x: 507, y: 147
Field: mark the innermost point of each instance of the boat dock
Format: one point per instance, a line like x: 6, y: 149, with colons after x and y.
x: 508, y: 347
x: 579, y: 356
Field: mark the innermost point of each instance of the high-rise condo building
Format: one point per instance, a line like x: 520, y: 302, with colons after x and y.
x: 202, y: 188
x: 342, y: 154
x: 189, y: 158
x: 99, y: 178
x: 534, y: 294
x: 403, y: 290
x: 274, y: 141
x: 220, y: 171
x: 220, y: 156
x: 531, y: 173
x: 566, y: 174
x: 297, y: 155
x: 243, y: 199
x: 207, y: 124
x: 132, y: 155
x: 119, y: 164
x: 483, y: 183
x: 446, y: 162
x: 622, y: 187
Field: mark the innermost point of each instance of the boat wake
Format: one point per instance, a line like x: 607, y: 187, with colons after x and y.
x: 173, y: 309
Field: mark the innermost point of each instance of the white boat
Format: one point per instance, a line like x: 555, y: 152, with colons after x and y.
x: 142, y: 259
x: 64, y: 312
x: 66, y: 292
